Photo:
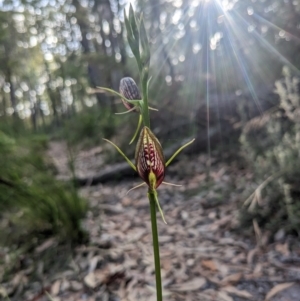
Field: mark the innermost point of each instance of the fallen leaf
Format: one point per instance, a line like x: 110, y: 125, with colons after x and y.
x: 126, y: 201
x: 191, y: 285
x: 90, y: 280
x: 17, y: 279
x: 65, y: 285
x: 55, y: 288
x: 257, y: 232
x: 166, y: 264
x: 258, y: 269
x: 233, y: 278
x: 76, y: 285
x: 224, y: 297
x: 250, y: 255
x: 237, y: 292
x: 283, y: 249
x: 278, y: 288
x: 209, y: 264
x: 55, y: 299
x: 165, y: 292
x: 241, y: 257
x: 220, y: 223
x: 46, y: 245
x: 93, y: 263
x: 3, y: 292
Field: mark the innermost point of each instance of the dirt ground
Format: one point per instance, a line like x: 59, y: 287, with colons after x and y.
x: 204, y: 254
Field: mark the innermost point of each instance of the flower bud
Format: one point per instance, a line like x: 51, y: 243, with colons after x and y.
x: 129, y: 89
x: 149, y: 159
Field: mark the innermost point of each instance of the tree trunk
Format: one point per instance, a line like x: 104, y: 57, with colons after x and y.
x: 33, y: 116
x: 3, y: 105
x: 93, y: 72
x: 40, y: 112
x: 12, y: 94
x: 51, y: 94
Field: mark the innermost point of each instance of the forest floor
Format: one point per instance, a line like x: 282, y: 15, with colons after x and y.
x: 205, y: 255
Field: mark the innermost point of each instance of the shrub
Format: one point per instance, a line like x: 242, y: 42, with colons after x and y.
x: 271, y: 145
x: 88, y: 127
x: 30, y: 195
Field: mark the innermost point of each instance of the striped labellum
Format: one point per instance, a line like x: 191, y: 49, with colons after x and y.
x: 149, y: 159
x: 129, y: 89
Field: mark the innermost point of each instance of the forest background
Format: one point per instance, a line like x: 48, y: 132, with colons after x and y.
x: 225, y: 72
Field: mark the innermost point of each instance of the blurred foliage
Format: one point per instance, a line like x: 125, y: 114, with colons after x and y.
x: 89, y: 127
x: 31, y: 198
x: 51, y: 53
x: 271, y: 145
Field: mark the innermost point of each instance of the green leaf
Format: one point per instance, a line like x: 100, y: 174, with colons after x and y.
x: 133, y: 24
x: 131, y: 35
x: 127, y: 25
x: 145, y: 56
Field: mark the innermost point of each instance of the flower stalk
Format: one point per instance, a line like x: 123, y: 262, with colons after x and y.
x: 151, y: 197
x: 149, y: 158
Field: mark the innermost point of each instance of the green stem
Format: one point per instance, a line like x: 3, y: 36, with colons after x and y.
x: 151, y: 197
x: 145, y: 108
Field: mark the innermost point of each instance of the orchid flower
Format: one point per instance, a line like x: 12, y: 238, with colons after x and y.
x: 150, y: 162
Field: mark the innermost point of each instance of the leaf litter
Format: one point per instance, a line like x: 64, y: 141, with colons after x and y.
x: 204, y: 255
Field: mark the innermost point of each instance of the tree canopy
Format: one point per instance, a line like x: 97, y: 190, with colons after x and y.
x: 53, y: 53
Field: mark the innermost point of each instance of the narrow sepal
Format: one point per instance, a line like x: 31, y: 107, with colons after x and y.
x: 135, y: 187
x: 132, y: 104
x: 121, y: 153
x: 135, y: 101
x: 171, y: 184
x: 126, y: 112
x: 178, y: 151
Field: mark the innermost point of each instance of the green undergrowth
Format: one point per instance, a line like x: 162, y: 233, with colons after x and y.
x: 32, y: 202
x: 40, y: 217
x: 87, y: 128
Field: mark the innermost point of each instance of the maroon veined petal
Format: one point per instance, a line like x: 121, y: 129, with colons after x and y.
x: 129, y: 89
x: 149, y: 159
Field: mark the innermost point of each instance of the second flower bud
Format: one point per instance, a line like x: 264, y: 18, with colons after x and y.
x: 129, y: 89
